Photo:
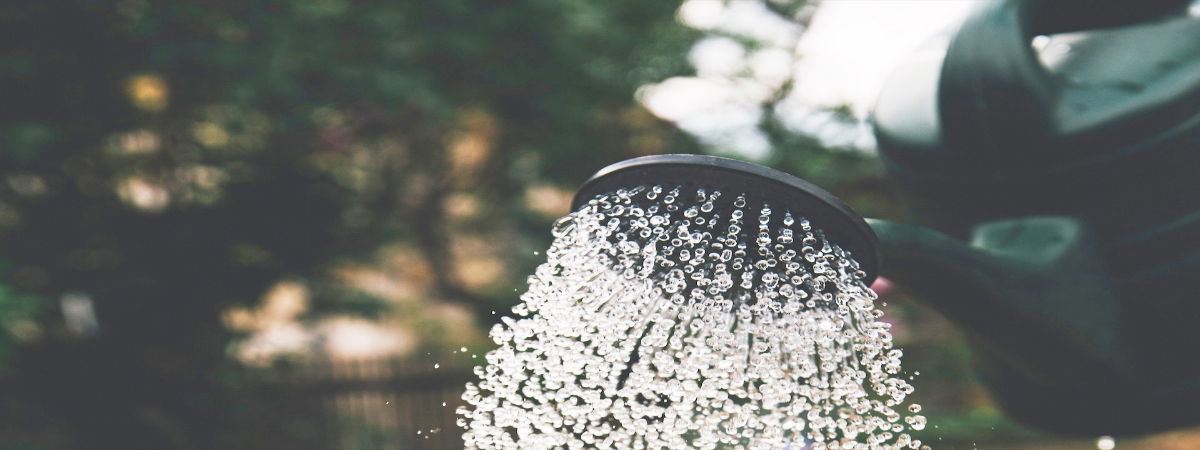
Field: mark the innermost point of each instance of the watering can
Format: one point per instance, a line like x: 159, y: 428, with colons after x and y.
x: 1051, y: 149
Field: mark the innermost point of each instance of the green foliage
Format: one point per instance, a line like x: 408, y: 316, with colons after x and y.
x: 23, y: 140
x: 17, y: 311
x: 174, y: 159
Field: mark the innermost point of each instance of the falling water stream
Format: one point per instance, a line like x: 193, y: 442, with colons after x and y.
x: 678, y: 318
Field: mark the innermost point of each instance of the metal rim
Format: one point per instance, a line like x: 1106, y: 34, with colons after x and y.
x: 840, y: 223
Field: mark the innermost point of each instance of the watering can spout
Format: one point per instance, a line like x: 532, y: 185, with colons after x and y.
x: 1031, y: 291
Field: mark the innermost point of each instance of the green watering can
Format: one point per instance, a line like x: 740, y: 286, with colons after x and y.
x: 1052, y: 152
x: 1060, y: 140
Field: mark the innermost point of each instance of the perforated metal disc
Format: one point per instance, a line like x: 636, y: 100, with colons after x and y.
x: 760, y: 185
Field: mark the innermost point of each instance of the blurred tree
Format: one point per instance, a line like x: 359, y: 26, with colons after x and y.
x: 162, y: 161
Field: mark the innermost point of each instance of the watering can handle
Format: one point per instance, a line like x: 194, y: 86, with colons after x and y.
x: 995, y: 92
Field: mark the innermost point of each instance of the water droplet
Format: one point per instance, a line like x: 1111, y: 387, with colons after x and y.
x: 640, y: 313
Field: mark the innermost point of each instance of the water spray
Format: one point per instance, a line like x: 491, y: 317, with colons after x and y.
x: 697, y: 302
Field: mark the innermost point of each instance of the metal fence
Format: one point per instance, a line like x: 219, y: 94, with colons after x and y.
x: 375, y: 404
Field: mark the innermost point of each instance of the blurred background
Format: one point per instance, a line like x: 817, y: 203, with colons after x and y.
x: 290, y: 223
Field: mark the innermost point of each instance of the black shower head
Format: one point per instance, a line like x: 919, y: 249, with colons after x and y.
x: 759, y: 184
